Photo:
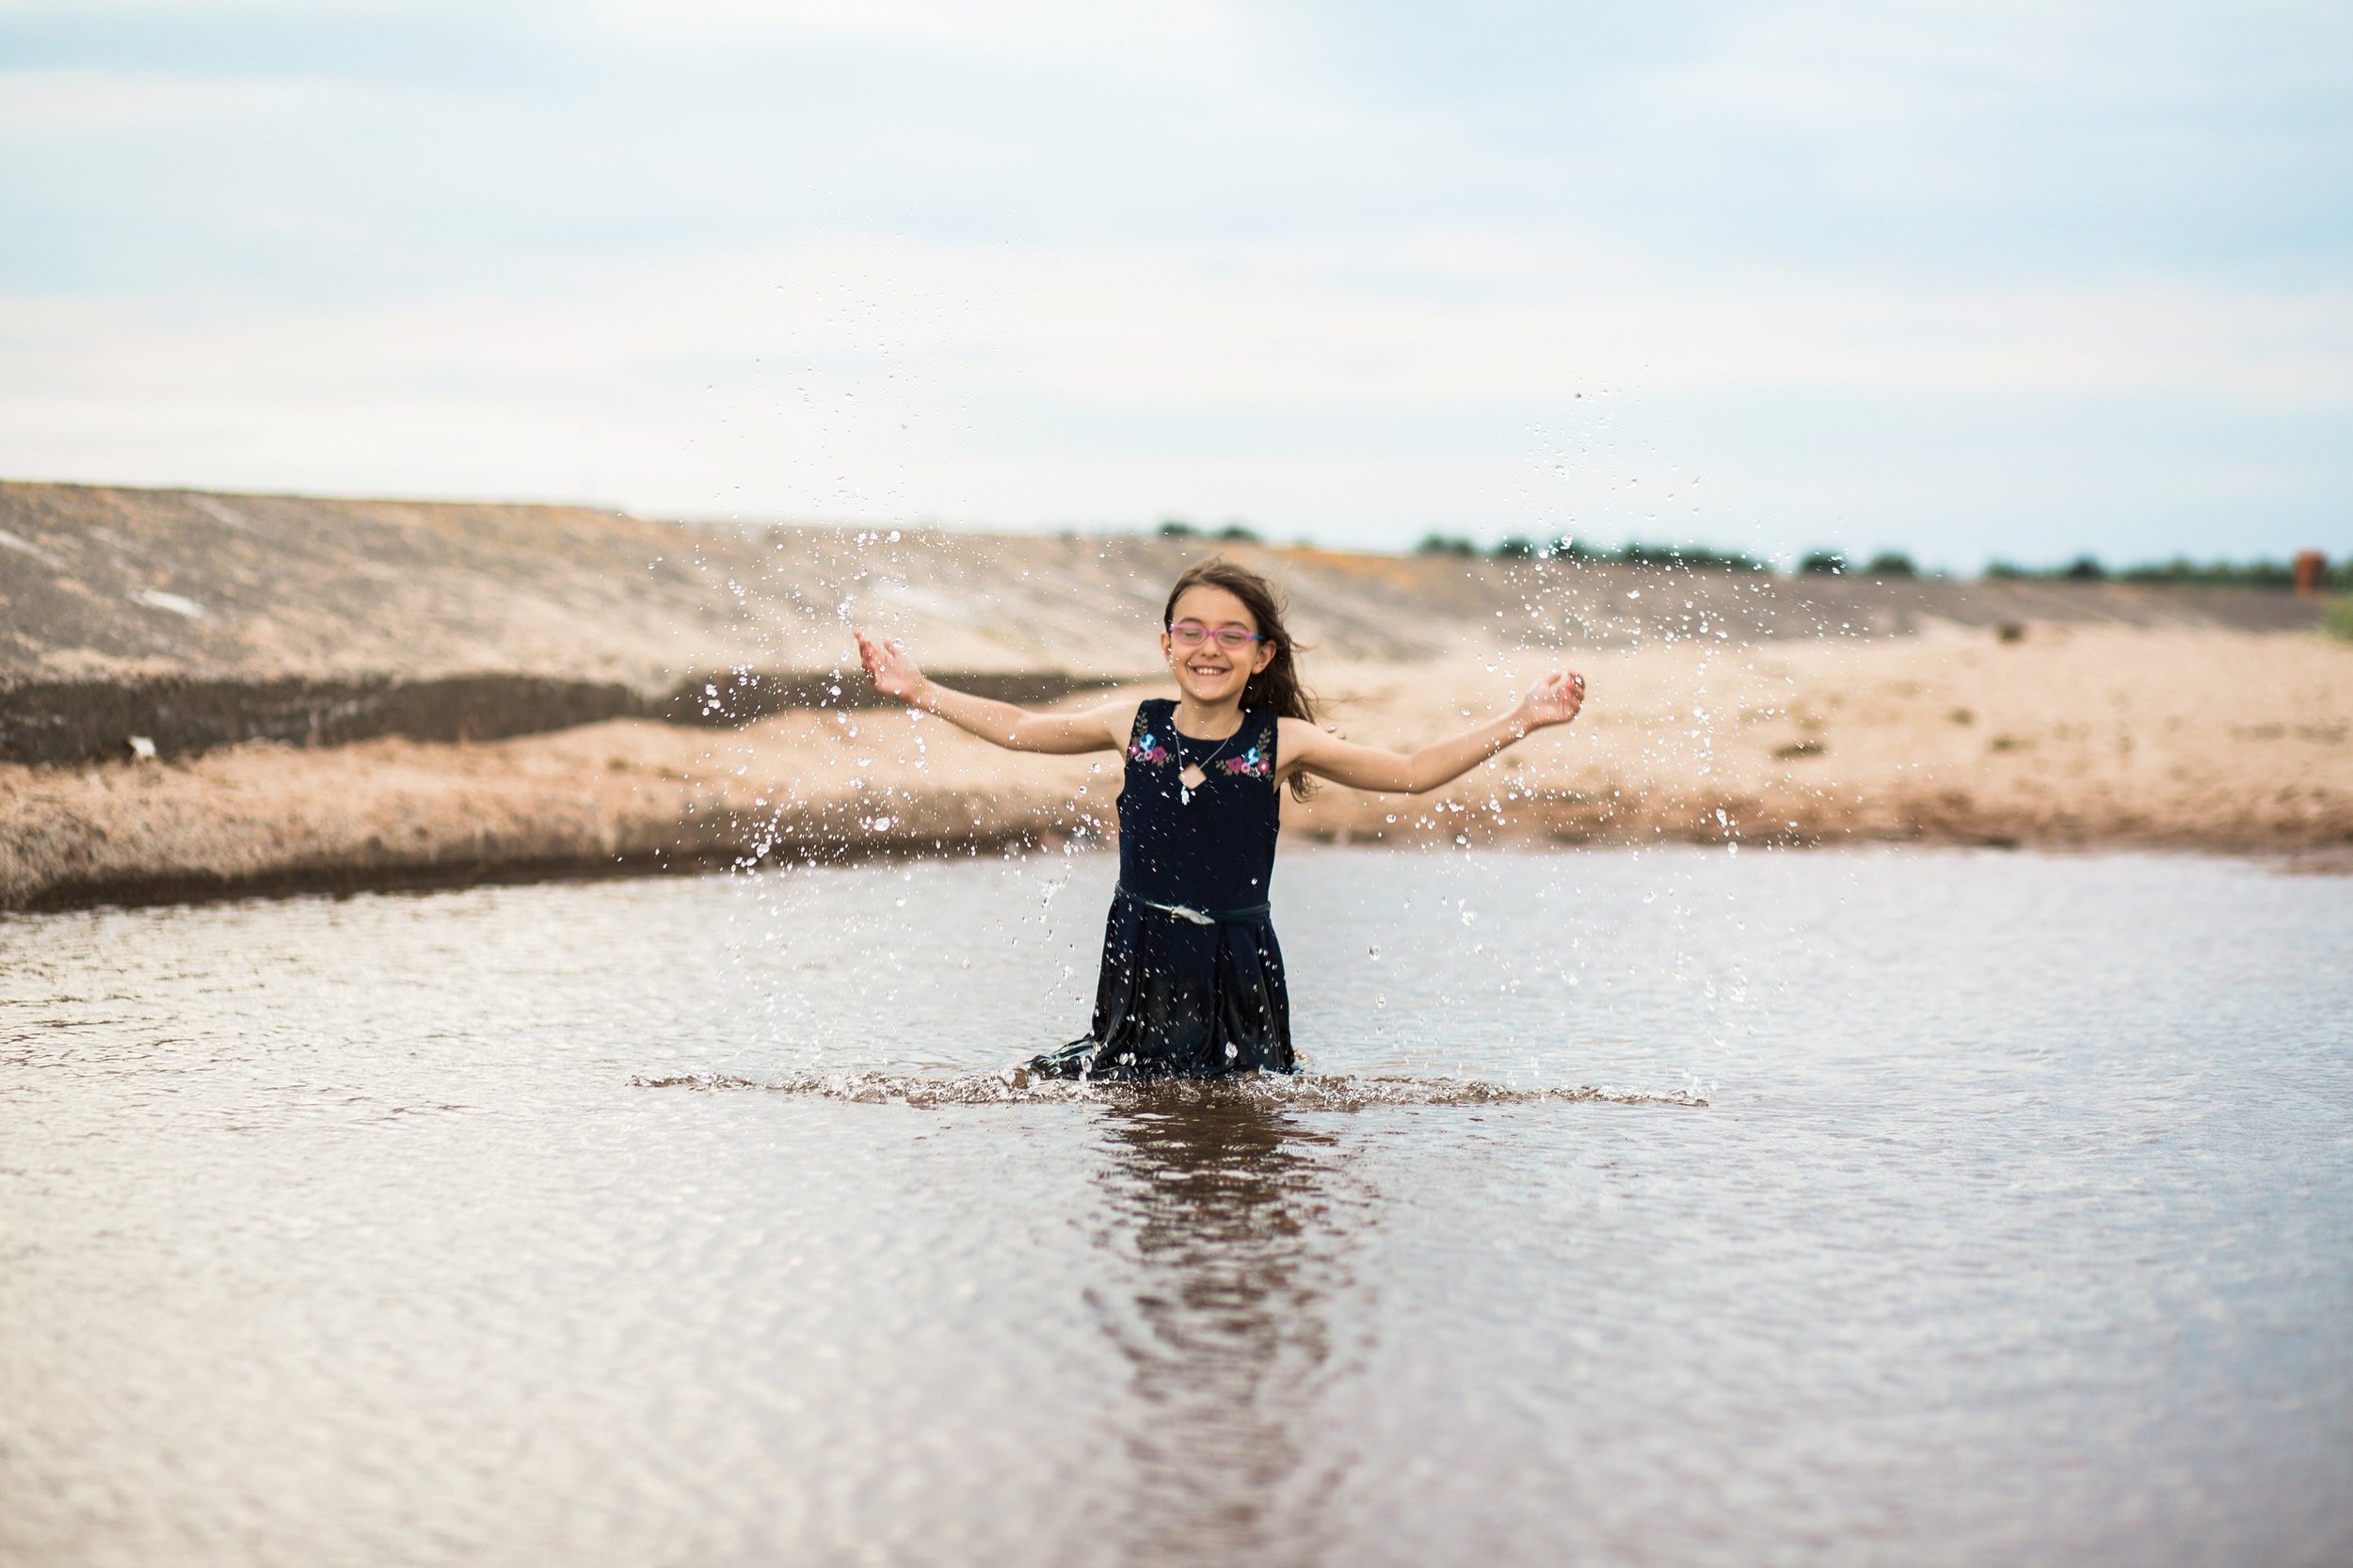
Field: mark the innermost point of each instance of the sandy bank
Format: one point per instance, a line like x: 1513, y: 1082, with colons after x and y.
x: 2109, y: 736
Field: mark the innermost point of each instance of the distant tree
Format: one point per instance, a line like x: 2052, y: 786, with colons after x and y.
x: 1516, y: 549
x: 1238, y: 532
x: 2003, y: 572
x: 2179, y: 569
x: 1177, y: 528
x: 2084, y: 569
x: 1690, y: 557
x: 1443, y: 544
x: 1700, y: 558
x: 1823, y: 563
x: 1566, y: 549
x: 2182, y: 571
x: 1890, y: 563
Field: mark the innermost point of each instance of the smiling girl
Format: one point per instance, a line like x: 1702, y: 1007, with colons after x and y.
x: 1191, y: 982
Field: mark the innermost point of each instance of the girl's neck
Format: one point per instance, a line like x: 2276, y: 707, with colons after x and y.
x: 1204, y: 722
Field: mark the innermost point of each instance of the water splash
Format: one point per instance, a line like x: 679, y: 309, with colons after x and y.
x: 1302, y: 1091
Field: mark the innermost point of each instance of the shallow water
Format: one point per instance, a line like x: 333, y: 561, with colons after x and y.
x: 683, y: 1221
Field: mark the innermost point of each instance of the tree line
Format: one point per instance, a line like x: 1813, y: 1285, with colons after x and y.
x: 2179, y: 570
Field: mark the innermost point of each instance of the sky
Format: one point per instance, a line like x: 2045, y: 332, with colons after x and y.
x: 1971, y: 281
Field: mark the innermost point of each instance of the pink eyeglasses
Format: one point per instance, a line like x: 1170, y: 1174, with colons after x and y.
x: 1191, y: 634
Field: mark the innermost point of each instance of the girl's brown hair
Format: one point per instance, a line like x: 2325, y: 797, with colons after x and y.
x: 1277, y: 686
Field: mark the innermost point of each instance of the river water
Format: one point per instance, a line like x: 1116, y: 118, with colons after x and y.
x: 680, y: 1221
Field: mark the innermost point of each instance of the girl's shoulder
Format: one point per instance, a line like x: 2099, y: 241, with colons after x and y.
x: 1297, y: 742
x: 1152, y: 733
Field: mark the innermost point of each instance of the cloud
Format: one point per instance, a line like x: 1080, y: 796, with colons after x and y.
x: 40, y: 107
x: 1472, y: 379
x: 1320, y: 266
x: 1052, y: 28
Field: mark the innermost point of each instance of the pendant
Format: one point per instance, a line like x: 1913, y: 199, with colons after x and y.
x: 1189, y: 779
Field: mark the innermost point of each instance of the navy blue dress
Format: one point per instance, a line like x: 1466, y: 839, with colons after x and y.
x: 1192, y: 983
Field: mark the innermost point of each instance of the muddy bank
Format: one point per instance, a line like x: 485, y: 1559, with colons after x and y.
x: 54, y: 723
x: 2103, y: 737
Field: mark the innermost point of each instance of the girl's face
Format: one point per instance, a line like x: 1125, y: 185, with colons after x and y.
x: 1208, y: 672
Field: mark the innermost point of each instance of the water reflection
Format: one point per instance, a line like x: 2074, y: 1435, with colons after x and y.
x: 1238, y: 1218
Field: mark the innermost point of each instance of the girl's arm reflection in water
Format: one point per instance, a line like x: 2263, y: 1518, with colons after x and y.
x: 1239, y: 1222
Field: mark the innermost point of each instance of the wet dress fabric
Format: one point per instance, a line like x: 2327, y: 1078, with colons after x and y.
x: 1192, y: 983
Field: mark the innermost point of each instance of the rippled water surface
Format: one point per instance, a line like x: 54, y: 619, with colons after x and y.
x: 683, y: 1221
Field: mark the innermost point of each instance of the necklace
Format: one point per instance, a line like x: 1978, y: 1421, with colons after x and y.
x: 1184, y: 786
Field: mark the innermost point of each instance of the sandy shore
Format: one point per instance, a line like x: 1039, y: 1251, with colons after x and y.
x: 2101, y: 736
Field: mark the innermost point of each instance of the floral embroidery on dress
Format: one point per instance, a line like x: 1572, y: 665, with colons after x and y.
x: 1257, y: 762
x: 1146, y: 747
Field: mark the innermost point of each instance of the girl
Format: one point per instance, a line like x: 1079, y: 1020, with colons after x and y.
x: 1192, y: 981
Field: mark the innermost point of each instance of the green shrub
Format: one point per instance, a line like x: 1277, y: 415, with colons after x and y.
x: 1239, y: 533
x: 1890, y: 563
x: 1823, y: 563
x: 1516, y: 549
x: 1690, y: 557
x: 1177, y: 528
x: 1686, y: 557
x: 2340, y: 622
x: 2183, y: 571
x: 1444, y: 544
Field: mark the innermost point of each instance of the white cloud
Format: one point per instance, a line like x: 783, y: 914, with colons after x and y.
x: 1244, y: 272
x: 1233, y: 327
x: 1031, y: 27
x: 882, y: 378
x: 40, y: 107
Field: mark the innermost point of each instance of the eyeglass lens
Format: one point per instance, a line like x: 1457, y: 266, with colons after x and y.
x: 1191, y: 634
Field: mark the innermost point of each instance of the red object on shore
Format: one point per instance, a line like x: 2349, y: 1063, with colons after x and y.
x: 2310, y: 564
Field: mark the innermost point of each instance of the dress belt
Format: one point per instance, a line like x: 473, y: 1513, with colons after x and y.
x: 1245, y: 913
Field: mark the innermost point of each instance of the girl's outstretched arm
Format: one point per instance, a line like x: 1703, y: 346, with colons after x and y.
x: 894, y: 674
x: 1555, y: 699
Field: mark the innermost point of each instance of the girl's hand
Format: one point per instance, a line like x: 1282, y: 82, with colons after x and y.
x: 888, y: 667
x: 1555, y: 699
